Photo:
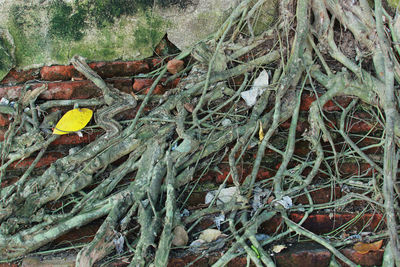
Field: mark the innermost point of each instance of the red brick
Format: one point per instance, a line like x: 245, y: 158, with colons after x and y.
x: 363, y: 122
x: 307, y: 254
x: 156, y: 62
x: 46, y: 160
x: 4, y: 119
x: 56, y: 73
x: 301, y: 126
x: 372, y: 258
x: 140, y: 84
x: 84, y: 234
x: 143, y: 86
x: 122, y: 84
x: 120, y: 68
x: 104, y: 69
x: 10, y: 92
x: 243, y: 172
x: 325, y: 223
x: 74, y: 139
x: 308, y: 98
x: 70, y: 90
x: 20, y: 76
x: 9, y: 265
x: 320, y: 196
x: 352, y: 168
x: 184, y: 261
x: 56, y: 90
x: 9, y: 181
x: 2, y: 132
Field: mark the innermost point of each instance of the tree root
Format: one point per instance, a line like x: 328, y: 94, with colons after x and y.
x: 166, y: 148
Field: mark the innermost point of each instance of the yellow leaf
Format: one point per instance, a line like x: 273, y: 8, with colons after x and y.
x: 364, y: 248
x: 261, y: 132
x: 72, y: 121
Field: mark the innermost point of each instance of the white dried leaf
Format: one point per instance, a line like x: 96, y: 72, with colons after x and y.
x: 226, y: 122
x: 262, y: 81
x: 278, y: 248
x: 185, y: 213
x: 218, y: 220
x: 119, y: 243
x: 286, y: 202
x: 197, y: 243
x: 210, y: 235
x: 259, y: 198
x: 4, y: 101
x: 258, y: 87
x: 225, y: 196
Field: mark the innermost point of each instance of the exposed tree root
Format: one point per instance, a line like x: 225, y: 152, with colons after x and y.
x: 164, y: 148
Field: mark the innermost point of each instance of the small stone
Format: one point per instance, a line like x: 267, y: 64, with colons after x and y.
x: 180, y: 236
x: 174, y: 66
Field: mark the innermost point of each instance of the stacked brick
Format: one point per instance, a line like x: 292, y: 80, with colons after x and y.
x: 64, y: 82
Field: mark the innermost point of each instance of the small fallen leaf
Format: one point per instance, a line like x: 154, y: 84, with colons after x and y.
x: 210, y: 235
x: 219, y: 219
x: 255, y: 250
x: 189, y: 107
x: 197, y: 243
x: 119, y: 243
x: 73, y: 121
x: 259, y: 86
x: 180, y: 236
x: 261, y: 132
x: 364, y: 248
x: 286, y: 202
x: 174, y: 66
x: 225, y: 196
x: 278, y: 248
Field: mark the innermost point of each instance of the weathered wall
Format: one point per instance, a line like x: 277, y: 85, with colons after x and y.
x: 50, y: 32
x: 45, y: 32
x: 39, y: 32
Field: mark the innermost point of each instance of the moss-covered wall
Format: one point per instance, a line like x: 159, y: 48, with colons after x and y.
x: 6, y: 52
x: 52, y: 33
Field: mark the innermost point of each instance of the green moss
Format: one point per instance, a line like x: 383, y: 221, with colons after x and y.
x: 69, y: 21
x: 106, y: 11
x: 265, y: 17
x: 6, y: 62
x: 149, y: 31
x: 97, y: 30
x: 394, y: 3
x: 180, y: 3
x: 23, y: 23
x: 6, y: 54
x: 65, y: 22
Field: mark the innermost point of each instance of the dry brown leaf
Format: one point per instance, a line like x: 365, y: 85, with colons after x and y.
x: 210, y: 235
x: 180, y: 236
x: 364, y: 248
x: 261, y: 132
x: 189, y: 107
